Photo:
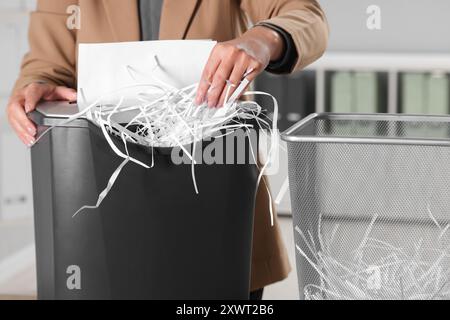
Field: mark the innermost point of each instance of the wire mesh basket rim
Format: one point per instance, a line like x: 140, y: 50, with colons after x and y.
x: 291, y: 134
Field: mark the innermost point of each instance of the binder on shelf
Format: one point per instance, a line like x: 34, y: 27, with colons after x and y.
x: 413, y: 100
x: 366, y: 92
x: 341, y: 100
x: 341, y: 92
x: 438, y: 94
x: 438, y: 101
x: 413, y: 93
x: 366, y: 95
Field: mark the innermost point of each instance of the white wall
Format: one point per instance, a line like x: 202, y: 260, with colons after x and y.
x: 15, y: 173
x: 17, y: 5
x: 16, y: 209
x: 409, y: 26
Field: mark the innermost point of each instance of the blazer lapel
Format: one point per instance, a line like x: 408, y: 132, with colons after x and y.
x: 123, y: 19
x: 176, y: 18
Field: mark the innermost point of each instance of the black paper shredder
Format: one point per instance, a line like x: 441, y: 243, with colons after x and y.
x: 153, y: 237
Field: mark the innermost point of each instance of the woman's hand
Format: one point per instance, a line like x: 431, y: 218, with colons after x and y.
x: 26, y: 100
x: 231, y: 60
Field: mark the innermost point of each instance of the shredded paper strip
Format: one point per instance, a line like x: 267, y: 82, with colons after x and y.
x: 164, y: 116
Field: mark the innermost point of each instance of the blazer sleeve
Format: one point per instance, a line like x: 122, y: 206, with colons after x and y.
x: 304, y: 20
x: 52, y: 46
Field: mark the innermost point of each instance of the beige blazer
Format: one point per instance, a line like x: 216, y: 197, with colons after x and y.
x: 53, y: 58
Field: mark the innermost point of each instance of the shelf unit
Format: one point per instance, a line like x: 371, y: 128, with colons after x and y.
x: 15, y: 167
x: 392, y: 64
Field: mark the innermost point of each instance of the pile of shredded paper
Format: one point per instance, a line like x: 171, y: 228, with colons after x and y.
x: 164, y: 116
x: 376, y: 269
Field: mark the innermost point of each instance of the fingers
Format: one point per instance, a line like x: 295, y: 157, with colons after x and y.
x: 36, y: 92
x: 227, y: 62
x: 61, y: 93
x: 33, y: 94
x: 207, y: 76
x: 254, y: 69
x: 248, y: 71
x: 235, y: 78
x: 26, y: 138
x: 219, y: 82
x: 26, y: 102
x: 19, y: 121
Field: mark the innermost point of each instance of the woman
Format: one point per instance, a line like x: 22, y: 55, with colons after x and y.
x: 280, y: 36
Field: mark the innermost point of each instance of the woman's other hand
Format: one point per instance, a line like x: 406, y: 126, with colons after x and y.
x: 26, y: 100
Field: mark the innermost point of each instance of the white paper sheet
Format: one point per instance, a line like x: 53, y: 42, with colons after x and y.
x: 102, y: 67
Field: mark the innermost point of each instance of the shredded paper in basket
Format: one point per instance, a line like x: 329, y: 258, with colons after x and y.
x: 376, y: 269
x: 168, y: 117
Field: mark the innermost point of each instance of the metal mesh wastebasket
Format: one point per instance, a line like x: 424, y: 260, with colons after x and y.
x: 371, y: 206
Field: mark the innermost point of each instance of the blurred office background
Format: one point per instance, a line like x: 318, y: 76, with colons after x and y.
x: 402, y: 67
x: 17, y: 271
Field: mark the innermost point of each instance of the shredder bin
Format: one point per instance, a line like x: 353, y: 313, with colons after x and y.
x: 371, y: 209
x: 152, y: 237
